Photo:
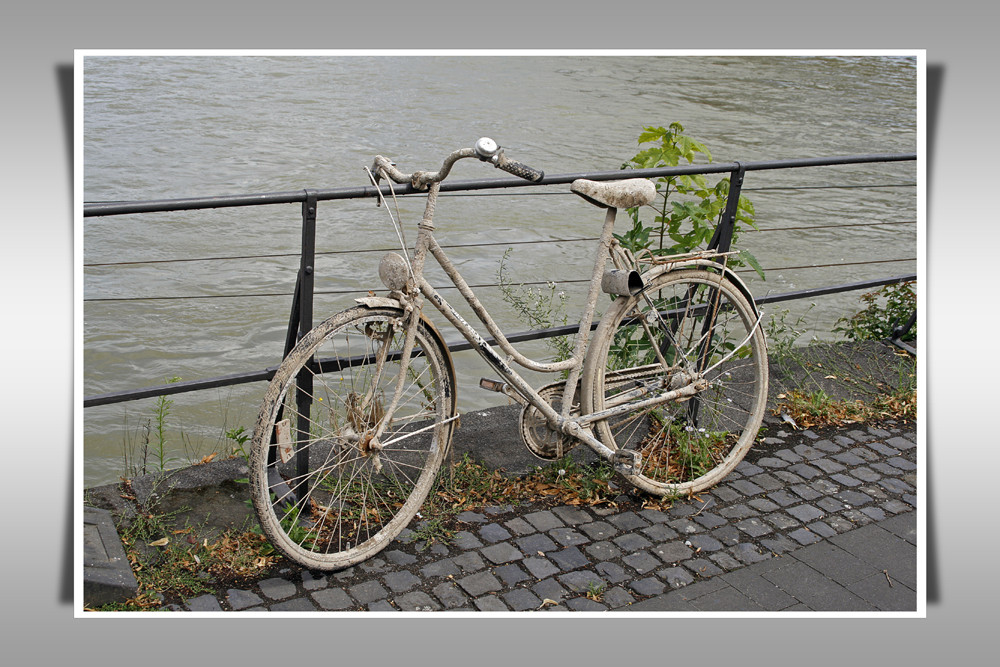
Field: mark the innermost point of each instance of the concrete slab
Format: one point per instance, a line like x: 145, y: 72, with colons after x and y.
x: 107, y: 575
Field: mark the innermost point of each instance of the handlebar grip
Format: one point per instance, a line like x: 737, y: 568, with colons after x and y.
x: 519, y: 169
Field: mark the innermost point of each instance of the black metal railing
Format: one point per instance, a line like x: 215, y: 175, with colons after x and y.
x: 301, y: 315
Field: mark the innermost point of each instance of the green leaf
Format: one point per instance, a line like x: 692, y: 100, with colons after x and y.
x: 748, y: 257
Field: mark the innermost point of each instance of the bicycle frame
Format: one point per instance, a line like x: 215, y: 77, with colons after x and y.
x: 409, y: 298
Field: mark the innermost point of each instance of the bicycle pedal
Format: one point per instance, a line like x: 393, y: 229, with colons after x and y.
x: 492, y: 385
x: 626, y: 462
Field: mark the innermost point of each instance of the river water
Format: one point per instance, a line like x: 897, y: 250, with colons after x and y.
x: 172, y: 126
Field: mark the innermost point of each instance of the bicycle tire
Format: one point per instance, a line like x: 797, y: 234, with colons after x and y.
x: 332, y: 496
x: 692, y: 444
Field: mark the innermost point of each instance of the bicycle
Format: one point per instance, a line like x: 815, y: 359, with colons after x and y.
x: 669, y: 385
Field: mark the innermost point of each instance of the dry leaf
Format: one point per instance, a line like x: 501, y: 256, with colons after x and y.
x: 208, y: 459
x: 161, y: 542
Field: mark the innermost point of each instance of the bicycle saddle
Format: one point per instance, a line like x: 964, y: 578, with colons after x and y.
x: 616, y: 194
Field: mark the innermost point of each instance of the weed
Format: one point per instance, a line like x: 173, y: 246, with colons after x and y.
x: 161, y: 411
x: 537, y: 308
x: 885, y: 309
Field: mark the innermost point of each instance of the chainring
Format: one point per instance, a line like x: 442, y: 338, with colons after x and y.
x: 541, y: 440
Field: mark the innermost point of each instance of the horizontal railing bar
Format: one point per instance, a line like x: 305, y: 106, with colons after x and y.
x: 456, y: 346
x: 123, y: 208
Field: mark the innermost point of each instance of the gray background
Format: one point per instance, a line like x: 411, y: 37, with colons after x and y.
x: 37, y: 608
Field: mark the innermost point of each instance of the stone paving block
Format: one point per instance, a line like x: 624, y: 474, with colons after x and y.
x: 843, y: 440
x: 463, y: 539
x: 903, y: 526
x: 860, y: 436
x: 853, y: 498
x: 874, y: 512
x: 754, y: 527
x: 686, y: 527
x: 277, y: 588
x: 368, y: 591
x: 725, y: 494
x: 617, y: 597
x: 628, y: 521
x: 866, y: 474
x: 806, y: 492
x: 582, y: 581
x: 827, y: 446
x: 630, y: 542
x: 585, y: 604
x: 654, y: 516
x: 672, y: 552
x: 779, y: 544
x: 417, y: 601
x: 401, y: 581
x: 511, y: 574
x: 806, y: 471
x: 612, y: 572
x: 703, y: 543
x: 314, y: 582
x: 830, y: 504
x: 883, y: 448
x: 599, y: 530
x: 783, y: 498
x: 896, y: 485
x: 205, y: 602
x: 549, y: 589
x: 472, y: 517
x: 295, y: 604
x: 781, y: 521
x: 470, y: 561
x: 642, y: 562
x: 828, y: 466
x: 501, y: 553
x: 726, y: 599
x: 759, y: 590
x: 374, y: 565
x: 725, y: 561
x: 849, y: 459
x: 822, y: 529
x: 490, y: 603
x: 602, y: 551
x: 767, y: 481
x: 738, y: 511
x: 746, y: 487
x: 450, y: 595
x: 572, y: 516
x: 519, y: 526
x: 748, y: 469
x: 675, y: 577
x: 804, y: 536
x: 840, y: 524
x: 701, y: 567
x: 805, y: 512
x: 659, y: 532
x: 544, y: 521
x: 397, y: 557
x: 521, y: 599
x: 539, y: 542
x: 540, y: 567
x: 772, y: 462
x: 846, y: 480
x: 708, y: 520
x: 900, y: 443
x: 648, y: 586
x: 824, y: 486
x: 787, y: 477
x: 568, y: 536
x: 748, y: 553
x: 240, y: 599
x: 808, y: 452
x: 333, y: 599
x: 788, y: 455
x: 681, y: 510
x: 763, y: 505
x: 727, y: 534
x: 440, y: 568
x: 569, y: 558
x: 493, y: 532
x: 835, y: 563
x: 480, y: 583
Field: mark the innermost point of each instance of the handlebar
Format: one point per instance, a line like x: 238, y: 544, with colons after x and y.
x: 485, y: 150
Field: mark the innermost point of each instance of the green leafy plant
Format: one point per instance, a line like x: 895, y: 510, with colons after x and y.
x: 885, y: 309
x: 688, y: 208
x: 538, y: 308
x: 161, y: 410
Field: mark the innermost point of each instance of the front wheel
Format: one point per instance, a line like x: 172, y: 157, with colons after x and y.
x: 328, y: 494
x: 688, y: 329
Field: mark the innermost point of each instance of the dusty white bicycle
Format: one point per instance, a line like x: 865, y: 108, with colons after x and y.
x: 670, y: 385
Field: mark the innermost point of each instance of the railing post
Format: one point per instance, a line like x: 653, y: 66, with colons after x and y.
x: 304, y: 301
x: 722, y: 239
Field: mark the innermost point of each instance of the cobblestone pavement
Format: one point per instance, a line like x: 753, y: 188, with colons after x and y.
x: 820, y: 521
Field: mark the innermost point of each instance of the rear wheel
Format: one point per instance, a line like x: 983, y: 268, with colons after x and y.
x: 686, y: 326
x: 327, y: 493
